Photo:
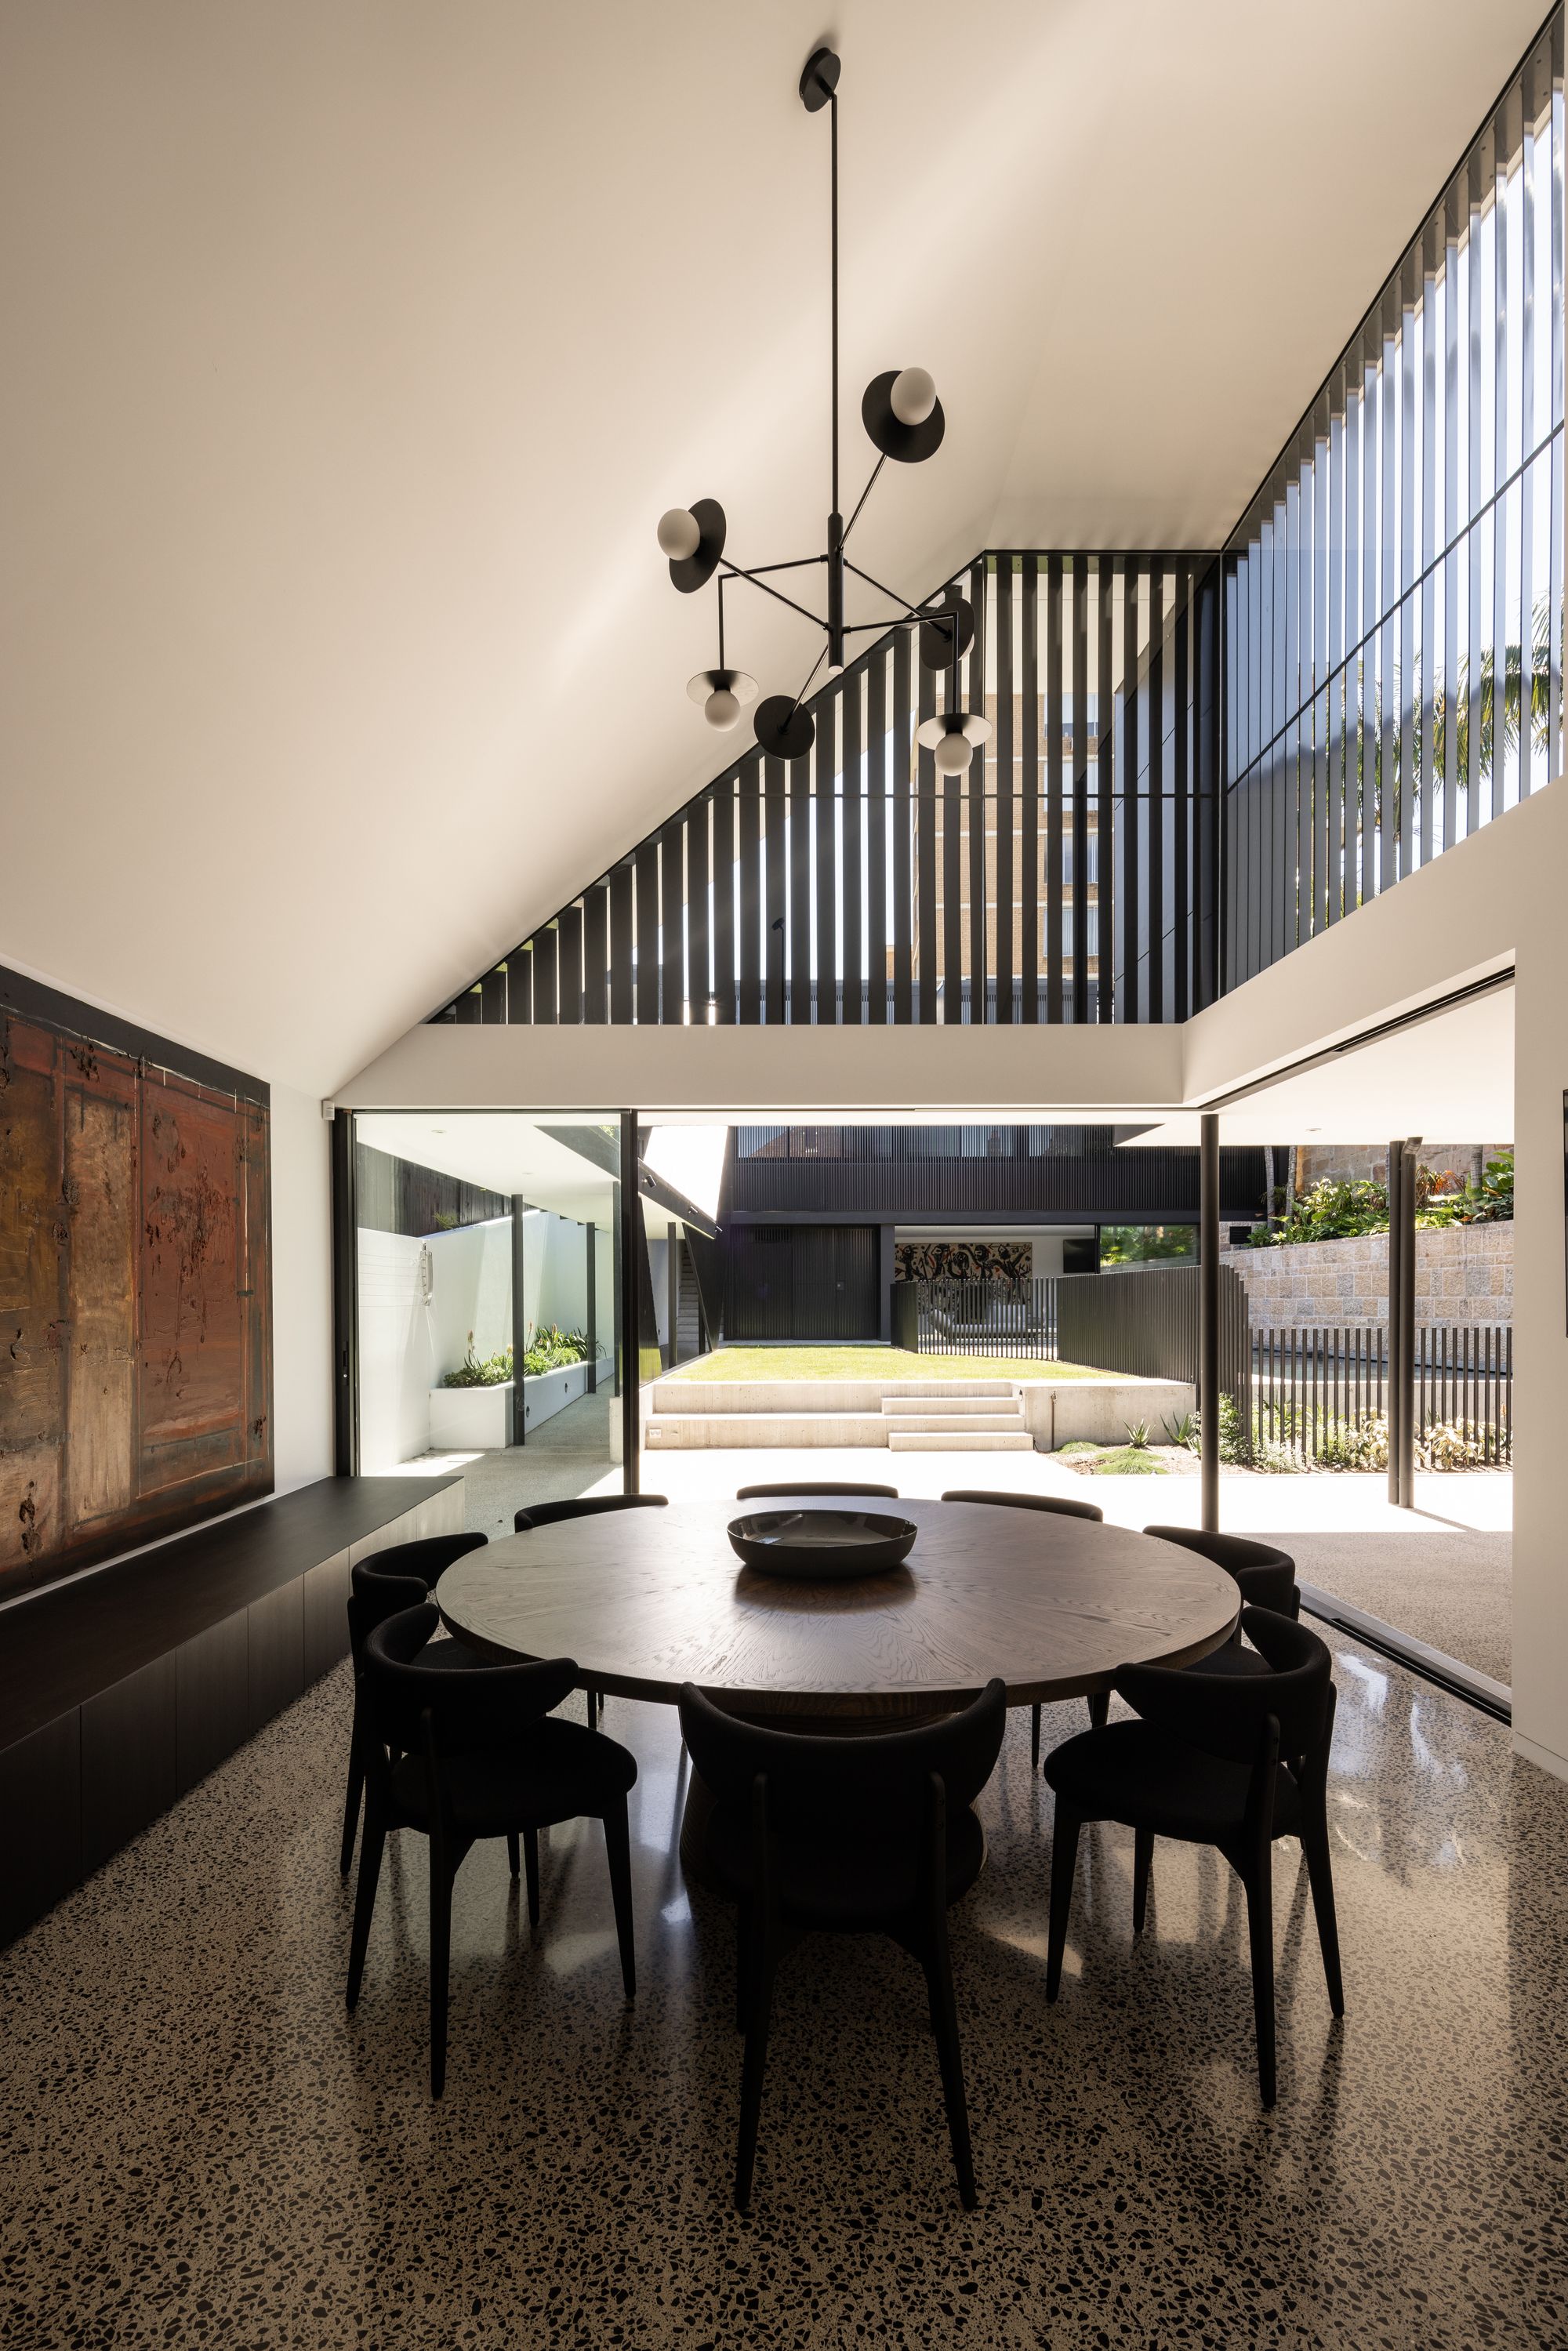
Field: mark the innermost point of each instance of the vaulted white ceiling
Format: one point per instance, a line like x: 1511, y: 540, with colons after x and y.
x: 352, y: 352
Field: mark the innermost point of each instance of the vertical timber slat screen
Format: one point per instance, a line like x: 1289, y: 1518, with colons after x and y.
x: 1393, y: 597
x: 858, y: 884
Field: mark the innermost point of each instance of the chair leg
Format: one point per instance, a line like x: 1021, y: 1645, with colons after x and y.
x: 351, y: 1803
x: 1034, y: 1739
x: 944, y: 2025
x: 1260, y: 1934
x: 531, y: 1863
x: 1315, y: 1846
x: 439, y: 1968
x: 590, y: 1702
x: 761, y: 1962
x: 1063, y: 1860
x: 1143, y: 1862
x: 512, y: 1860
x: 742, y: 1965
x: 618, y: 1845
x: 371, y: 1848
x: 1099, y: 1710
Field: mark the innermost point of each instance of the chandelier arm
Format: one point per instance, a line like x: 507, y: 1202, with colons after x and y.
x: 811, y: 674
x: 863, y: 495
x: 833, y: 167
x: 912, y: 612
x: 721, y: 580
x: 815, y: 618
x: 795, y: 563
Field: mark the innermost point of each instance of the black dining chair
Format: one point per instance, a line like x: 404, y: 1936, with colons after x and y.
x: 399, y: 1577
x: 460, y: 1757
x: 1265, y: 1577
x: 814, y: 1486
x: 586, y: 1506
x: 1227, y: 1760
x: 1060, y: 1506
x: 850, y: 1836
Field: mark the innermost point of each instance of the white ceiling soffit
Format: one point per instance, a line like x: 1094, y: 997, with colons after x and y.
x: 352, y: 353
x: 1450, y: 1077
x: 499, y: 1152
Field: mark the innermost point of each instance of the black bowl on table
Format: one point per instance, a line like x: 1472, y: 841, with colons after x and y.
x: 817, y: 1545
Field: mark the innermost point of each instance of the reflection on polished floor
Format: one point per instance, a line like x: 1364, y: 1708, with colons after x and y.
x: 199, y: 2146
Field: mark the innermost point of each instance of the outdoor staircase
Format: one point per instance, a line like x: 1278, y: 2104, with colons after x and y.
x: 980, y: 1416
x: 964, y: 1424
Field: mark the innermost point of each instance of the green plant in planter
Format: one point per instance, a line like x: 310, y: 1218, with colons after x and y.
x: 1137, y: 1435
x: 473, y: 1372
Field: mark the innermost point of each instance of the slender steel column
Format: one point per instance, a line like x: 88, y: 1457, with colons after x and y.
x: 1396, y: 1380
x: 345, y: 1300
x: 519, y: 1319
x: 1408, y: 1206
x: 591, y: 1302
x: 629, y: 1336
x: 1208, y: 1319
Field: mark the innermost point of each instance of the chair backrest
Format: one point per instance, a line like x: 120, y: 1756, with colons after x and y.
x: 1223, y: 1714
x: 398, y: 1578
x: 486, y: 1707
x: 815, y: 1783
x: 814, y: 1486
x: 1058, y: 1504
x: 587, y: 1506
x: 1267, y: 1577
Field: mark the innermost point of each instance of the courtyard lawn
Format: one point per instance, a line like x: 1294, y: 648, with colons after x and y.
x: 873, y: 1363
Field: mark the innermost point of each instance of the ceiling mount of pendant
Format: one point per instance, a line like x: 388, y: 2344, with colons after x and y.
x: 904, y: 422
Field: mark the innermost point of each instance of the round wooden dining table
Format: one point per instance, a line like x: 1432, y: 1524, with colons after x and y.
x: 645, y: 1600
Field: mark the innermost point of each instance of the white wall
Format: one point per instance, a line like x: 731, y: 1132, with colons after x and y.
x: 397, y: 1352
x: 558, y: 1281
x: 301, y: 1289
x: 472, y: 1292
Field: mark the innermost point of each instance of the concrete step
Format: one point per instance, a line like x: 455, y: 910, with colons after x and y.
x: 979, y: 1423
x: 971, y: 1440
x: 1002, y: 1401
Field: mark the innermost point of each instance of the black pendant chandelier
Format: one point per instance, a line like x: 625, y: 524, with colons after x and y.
x: 903, y: 421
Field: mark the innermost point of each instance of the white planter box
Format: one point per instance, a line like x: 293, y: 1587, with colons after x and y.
x: 479, y: 1420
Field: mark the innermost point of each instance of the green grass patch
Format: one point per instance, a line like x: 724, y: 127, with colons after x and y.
x: 872, y: 1363
x: 1079, y: 1444
x: 1128, y: 1461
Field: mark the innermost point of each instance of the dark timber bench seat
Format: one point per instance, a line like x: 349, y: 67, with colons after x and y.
x: 120, y: 1691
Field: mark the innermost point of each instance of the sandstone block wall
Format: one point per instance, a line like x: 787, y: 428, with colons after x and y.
x: 1463, y: 1274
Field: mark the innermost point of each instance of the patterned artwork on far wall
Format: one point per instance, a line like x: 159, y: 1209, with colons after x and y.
x: 1011, y: 1261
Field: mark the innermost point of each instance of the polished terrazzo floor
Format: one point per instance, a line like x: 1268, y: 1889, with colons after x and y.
x: 199, y: 2147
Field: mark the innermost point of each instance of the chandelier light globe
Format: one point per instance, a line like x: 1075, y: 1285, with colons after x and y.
x: 680, y: 534
x: 912, y: 396
x: 722, y: 708
x: 952, y: 755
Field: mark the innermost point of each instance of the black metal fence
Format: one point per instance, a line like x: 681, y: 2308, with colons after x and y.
x: 1144, y: 1322
x: 1321, y: 1393
x: 987, y: 1317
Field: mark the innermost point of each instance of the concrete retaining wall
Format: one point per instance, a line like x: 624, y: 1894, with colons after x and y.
x: 692, y: 1415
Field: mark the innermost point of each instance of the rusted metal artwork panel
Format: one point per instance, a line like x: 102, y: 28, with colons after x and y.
x: 135, y: 1303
